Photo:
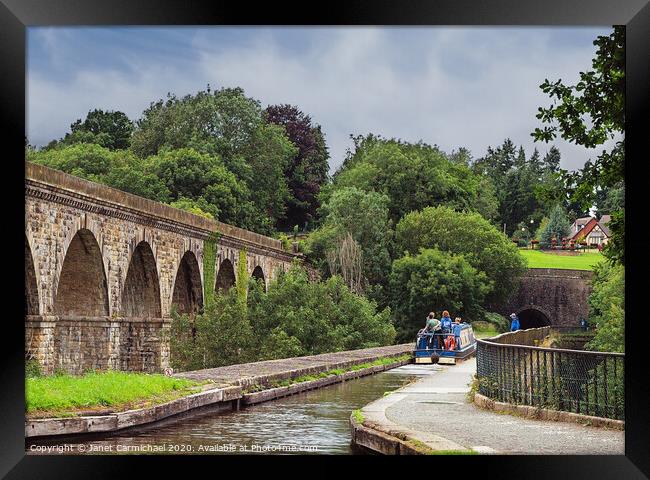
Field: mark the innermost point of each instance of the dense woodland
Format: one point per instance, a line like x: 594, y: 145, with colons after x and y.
x: 398, y: 230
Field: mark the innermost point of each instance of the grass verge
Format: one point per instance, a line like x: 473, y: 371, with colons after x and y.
x: 68, y: 395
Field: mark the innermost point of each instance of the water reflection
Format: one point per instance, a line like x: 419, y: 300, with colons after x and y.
x: 311, y: 422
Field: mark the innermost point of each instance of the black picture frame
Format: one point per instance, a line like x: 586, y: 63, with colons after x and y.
x: 16, y: 15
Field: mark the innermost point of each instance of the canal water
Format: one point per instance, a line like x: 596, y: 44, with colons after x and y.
x: 313, y: 422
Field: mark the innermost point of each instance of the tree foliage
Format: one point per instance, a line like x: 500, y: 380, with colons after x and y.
x: 467, y: 234
x: 434, y: 280
x: 525, y: 187
x: 412, y: 176
x: 557, y: 228
x: 365, y: 216
x: 111, y: 130
x: 306, y: 171
x: 227, y: 125
x: 607, y: 308
x: 294, y: 317
x: 590, y: 113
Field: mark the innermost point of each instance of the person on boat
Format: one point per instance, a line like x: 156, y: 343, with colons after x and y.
x: 514, y: 322
x: 432, y: 326
x: 445, y: 325
x: 445, y: 322
x: 456, y: 330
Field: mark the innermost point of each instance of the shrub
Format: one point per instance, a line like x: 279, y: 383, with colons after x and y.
x: 500, y: 322
x: 607, y: 308
x: 434, y: 280
x: 295, y: 317
x: 33, y: 369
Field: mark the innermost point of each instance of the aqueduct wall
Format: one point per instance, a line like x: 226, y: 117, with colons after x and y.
x: 103, y: 269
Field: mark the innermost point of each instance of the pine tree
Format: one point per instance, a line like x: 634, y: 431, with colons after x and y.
x: 557, y: 227
x: 535, y: 164
x: 551, y: 160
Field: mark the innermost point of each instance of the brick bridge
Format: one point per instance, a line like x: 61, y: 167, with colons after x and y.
x: 103, y: 269
x: 549, y: 296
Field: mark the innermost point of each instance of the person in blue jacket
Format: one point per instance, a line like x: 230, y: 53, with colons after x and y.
x: 445, y: 322
x: 456, y: 329
x: 514, y: 325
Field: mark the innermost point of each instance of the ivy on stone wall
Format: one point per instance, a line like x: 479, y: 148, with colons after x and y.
x: 241, y: 282
x: 209, y: 266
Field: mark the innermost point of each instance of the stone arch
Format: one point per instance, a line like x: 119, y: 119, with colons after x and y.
x: 82, y: 289
x: 258, y: 274
x: 533, y: 316
x: 187, y: 294
x: 141, y: 294
x: 31, y: 283
x: 225, y: 277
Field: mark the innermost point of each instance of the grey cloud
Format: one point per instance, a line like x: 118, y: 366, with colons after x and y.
x: 452, y: 87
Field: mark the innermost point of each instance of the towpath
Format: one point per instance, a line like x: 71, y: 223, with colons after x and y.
x: 436, y: 411
x: 258, y: 372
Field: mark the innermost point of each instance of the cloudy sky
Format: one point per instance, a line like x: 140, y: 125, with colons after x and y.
x: 454, y: 87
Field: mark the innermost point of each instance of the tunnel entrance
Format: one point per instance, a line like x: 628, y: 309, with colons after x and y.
x: 533, y: 318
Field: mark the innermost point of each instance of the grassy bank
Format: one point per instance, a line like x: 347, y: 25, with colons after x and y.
x: 67, y: 395
x: 581, y: 261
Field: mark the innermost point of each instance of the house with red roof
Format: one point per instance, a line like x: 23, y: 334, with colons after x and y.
x: 591, y: 230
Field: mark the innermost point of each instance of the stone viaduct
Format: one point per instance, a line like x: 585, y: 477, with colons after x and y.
x: 549, y: 296
x: 103, y: 269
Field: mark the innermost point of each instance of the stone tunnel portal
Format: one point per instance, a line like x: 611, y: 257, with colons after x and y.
x: 533, y: 318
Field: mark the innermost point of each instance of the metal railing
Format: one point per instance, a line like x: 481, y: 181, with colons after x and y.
x: 510, y: 369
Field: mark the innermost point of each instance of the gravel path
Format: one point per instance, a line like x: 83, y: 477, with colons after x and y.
x: 437, y: 404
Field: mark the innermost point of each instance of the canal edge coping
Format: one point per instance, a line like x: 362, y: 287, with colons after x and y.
x: 279, y: 392
x: 535, y: 413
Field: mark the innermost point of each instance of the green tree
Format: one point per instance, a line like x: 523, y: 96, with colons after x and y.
x: 557, y: 228
x: 89, y: 161
x: 590, y: 113
x: 222, y: 336
x: 551, y: 162
x: 434, y: 280
x: 224, y: 124
x: 268, y: 155
x: 467, y: 234
x: 542, y: 226
x: 318, y: 316
x: 134, y: 177
x: 607, y: 308
x: 611, y: 199
x: 203, y: 178
x: 365, y: 216
x: 412, y: 176
x: 111, y: 130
